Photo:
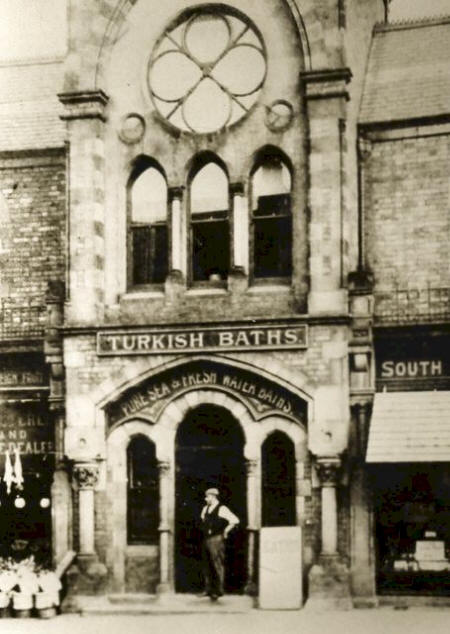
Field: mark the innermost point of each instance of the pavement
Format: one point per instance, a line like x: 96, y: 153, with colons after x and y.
x: 385, y: 620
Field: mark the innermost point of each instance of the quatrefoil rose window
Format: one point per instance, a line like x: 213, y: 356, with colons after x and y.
x: 207, y: 70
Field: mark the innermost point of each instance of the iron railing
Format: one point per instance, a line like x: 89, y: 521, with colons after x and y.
x: 413, y: 305
x: 21, y: 321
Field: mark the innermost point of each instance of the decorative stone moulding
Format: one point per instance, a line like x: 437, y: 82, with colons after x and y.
x: 207, y: 69
x: 132, y: 128
x: 84, y: 104
x: 279, y: 115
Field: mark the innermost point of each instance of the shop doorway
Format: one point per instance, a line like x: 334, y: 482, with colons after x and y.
x: 209, y: 452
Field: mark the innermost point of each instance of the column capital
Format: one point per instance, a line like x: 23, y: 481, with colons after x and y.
x: 175, y: 193
x: 328, y: 470
x: 237, y: 189
x: 251, y: 467
x: 84, y: 104
x: 163, y: 468
x: 86, y: 475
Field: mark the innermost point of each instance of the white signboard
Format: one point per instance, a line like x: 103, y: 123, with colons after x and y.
x: 280, y: 568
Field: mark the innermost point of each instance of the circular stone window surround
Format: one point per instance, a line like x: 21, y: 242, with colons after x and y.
x: 207, y: 70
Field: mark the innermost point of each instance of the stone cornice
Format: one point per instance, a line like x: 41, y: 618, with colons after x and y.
x: 84, y: 104
x: 327, y: 83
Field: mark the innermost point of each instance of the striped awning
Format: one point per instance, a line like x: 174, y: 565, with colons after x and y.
x: 410, y: 427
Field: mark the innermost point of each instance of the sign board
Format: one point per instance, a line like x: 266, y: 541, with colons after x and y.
x: 153, y: 395
x: 280, y: 568
x: 207, y: 339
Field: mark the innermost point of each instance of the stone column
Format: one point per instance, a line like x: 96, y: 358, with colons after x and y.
x: 85, y: 117
x: 240, y: 227
x: 177, y: 263
x: 328, y: 469
x: 326, y: 95
x: 86, y: 477
x: 329, y: 586
x: 361, y: 525
x: 164, y: 527
x: 253, y: 523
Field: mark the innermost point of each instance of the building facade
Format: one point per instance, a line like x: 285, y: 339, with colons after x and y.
x: 224, y: 263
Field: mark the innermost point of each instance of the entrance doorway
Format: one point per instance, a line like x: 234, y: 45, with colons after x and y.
x: 209, y: 452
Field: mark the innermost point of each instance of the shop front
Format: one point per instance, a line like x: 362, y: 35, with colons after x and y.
x: 408, y: 458
x: 26, y: 461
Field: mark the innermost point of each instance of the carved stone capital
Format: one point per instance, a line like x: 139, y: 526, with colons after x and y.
x: 251, y: 467
x: 328, y: 470
x: 163, y: 468
x: 364, y: 148
x: 85, y: 475
x: 237, y: 189
x: 175, y: 193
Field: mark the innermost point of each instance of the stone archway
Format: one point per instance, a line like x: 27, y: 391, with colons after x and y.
x: 209, y: 451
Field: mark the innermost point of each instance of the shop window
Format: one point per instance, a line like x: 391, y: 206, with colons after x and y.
x: 278, y: 481
x: 271, y: 219
x: 143, y: 492
x: 148, y: 226
x: 210, y: 230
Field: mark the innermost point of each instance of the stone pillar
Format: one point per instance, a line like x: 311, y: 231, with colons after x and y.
x: 362, y: 552
x: 86, y: 477
x: 329, y: 584
x: 239, y: 204
x: 177, y: 262
x: 328, y: 469
x: 164, y: 527
x: 85, y: 118
x: 253, y: 497
x: 326, y: 95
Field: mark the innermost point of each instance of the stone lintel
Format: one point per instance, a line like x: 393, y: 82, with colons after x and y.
x: 327, y: 83
x: 84, y: 104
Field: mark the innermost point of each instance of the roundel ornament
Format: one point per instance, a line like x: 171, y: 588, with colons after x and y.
x: 207, y: 70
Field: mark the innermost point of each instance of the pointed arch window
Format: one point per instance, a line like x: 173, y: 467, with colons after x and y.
x: 271, y: 218
x: 143, y: 492
x: 149, y: 241
x: 210, y: 227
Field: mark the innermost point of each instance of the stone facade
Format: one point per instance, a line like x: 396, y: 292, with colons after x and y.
x: 367, y: 193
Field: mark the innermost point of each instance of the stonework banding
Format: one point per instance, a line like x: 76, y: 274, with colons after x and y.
x: 262, y: 395
x: 207, y: 339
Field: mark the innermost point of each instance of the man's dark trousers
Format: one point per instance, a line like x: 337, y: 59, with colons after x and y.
x: 214, y: 565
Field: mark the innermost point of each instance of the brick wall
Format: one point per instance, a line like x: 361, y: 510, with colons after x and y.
x: 32, y: 226
x: 407, y: 212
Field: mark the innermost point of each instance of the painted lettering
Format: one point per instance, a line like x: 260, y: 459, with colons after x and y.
x: 143, y: 342
x: 387, y: 369
x: 274, y: 337
x: 225, y: 338
x: 242, y: 339
x: 196, y: 340
x: 181, y: 341
x: 291, y: 336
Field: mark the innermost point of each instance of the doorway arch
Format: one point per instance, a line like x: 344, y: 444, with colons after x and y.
x: 209, y: 451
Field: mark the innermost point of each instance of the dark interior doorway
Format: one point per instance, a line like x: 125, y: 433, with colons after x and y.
x: 209, y: 452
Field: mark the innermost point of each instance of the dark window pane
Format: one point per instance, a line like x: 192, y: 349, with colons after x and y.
x: 150, y: 254
x: 143, y: 492
x: 210, y: 249
x: 141, y: 239
x: 274, y: 205
x: 160, y: 254
x: 272, y: 247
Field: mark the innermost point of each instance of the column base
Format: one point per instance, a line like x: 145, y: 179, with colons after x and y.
x: 163, y: 588
x: 87, y: 576
x: 329, y: 585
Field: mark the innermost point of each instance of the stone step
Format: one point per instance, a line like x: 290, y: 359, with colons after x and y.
x: 128, y: 604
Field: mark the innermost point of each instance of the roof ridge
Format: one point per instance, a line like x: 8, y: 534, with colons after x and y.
x: 412, y: 23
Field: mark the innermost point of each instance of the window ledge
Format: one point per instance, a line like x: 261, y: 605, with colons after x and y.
x: 206, y: 291
x: 269, y: 288
x: 137, y: 550
x: 142, y: 293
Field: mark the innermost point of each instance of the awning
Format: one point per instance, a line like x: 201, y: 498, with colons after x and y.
x: 410, y: 427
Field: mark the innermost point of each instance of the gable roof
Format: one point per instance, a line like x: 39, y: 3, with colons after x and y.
x: 408, y: 74
x: 29, y: 106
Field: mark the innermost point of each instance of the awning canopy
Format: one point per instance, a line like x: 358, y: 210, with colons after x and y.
x: 410, y: 427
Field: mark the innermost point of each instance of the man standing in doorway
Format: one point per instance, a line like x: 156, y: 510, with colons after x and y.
x: 217, y: 522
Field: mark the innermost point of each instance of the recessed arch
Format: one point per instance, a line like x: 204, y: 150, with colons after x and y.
x: 308, y: 27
